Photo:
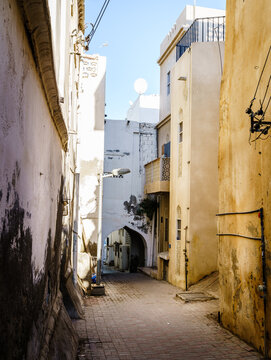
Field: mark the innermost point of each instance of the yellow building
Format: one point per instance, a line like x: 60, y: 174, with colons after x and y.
x: 190, y: 73
x: 194, y: 174
x: 244, y: 173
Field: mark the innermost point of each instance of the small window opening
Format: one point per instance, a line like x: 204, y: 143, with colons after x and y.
x: 168, y: 83
x: 180, y: 132
x: 179, y: 223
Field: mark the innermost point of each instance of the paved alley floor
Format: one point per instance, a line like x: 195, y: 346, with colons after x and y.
x: 141, y: 318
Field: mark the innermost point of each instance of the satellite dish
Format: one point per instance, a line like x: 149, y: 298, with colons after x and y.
x: 140, y: 86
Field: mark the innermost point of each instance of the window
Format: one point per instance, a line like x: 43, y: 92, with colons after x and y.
x: 167, y: 149
x: 168, y: 83
x: 179, y: 223
x: 180, y: 132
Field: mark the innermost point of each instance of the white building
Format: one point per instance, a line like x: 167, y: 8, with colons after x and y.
x: 41, y: 42
x: 130, y: 144
x: 91, y: 157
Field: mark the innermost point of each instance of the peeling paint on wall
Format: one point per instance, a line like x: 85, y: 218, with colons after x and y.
x: 139, y: 221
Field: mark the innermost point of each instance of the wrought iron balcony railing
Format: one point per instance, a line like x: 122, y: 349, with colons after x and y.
x: 202, y: 30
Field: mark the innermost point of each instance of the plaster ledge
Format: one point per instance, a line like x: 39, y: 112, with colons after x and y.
x: 37, y: 22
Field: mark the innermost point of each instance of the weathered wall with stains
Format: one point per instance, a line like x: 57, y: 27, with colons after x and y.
x: 128, y: 144
x: 31, y: 187
x: 91, y: 152
x: 193, y: 167
x: 244, y: 171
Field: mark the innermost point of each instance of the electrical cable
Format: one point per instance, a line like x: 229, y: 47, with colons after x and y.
x: 100, y: 14
x: 260, y: 78
x: 97, y: 21
x: 267, y: 137
x: 266, y: 91
x: 258, y: 137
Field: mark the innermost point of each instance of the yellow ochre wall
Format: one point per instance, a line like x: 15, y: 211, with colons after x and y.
x: 194, y: 173
x: 244, y: 171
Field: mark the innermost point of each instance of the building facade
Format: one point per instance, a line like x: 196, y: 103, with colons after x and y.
x: 130, y: 144
x: 244, y: 175
x: 193, y: 170
x: 91, y: 160
x: 41, y: 42
x: 190, y: 72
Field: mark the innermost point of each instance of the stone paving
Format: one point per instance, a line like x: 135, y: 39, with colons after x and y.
x: 141, y: 318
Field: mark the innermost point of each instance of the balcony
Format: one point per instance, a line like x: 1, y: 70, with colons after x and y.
x: 202, y: 30
x: 157, y: 176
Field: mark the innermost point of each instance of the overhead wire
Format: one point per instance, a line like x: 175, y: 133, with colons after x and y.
x: 258, y: 123
x: 262, y: 102
x: 97, y: 22
x: 260, y: 78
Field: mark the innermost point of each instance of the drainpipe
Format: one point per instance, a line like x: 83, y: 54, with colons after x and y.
x: 100, y: 240
x: 75, y: 223
x: 76, y: 185
x: 263, y: 286
x: 185, y: 258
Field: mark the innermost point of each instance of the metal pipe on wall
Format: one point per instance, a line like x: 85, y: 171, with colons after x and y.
x: 263, y: 286
x: 99, y: 240
x: 75, y: 224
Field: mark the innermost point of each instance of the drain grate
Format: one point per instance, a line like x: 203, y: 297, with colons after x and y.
x: 194, y: 296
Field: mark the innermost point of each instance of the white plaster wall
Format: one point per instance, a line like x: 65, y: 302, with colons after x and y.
x: 30, y: 149
x: 91, y: 137
x: 127, y: 145
x: 145, y: 109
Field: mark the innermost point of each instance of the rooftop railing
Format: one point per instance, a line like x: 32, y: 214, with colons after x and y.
x: 202, y: 30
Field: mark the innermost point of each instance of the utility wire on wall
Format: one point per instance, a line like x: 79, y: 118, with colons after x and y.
x: 258, y: 124
x: 96, y: 24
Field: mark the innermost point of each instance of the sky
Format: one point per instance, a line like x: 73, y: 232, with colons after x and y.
x: 129, y: 35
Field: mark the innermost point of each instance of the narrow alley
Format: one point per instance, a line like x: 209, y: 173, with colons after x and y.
x: 141, y: 318
x: 135, y: 180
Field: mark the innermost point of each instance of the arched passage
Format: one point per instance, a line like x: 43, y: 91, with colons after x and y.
x: 137, y: 249
x: 125, y: 249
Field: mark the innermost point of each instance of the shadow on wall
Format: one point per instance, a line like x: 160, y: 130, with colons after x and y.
x: 26, y: 304
x: 134, y: 209
x: 89, y: 199
x: 125, y: 250
x: 138, y: 249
